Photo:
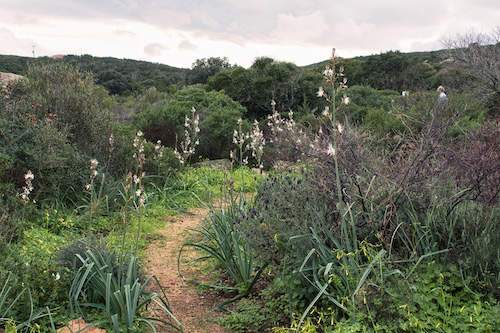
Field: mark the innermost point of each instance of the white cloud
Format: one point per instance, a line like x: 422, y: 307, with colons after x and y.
x: 12, y: 44
x: 154, y: 49
x: 187, y: 45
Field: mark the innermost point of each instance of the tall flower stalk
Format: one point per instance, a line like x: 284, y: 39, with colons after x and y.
x: 190, y: 139
x: 257, y: 143
x: 337, y: 87
x: 240, y: 140
x: 90, y: 186
x: 134, y: 192
x: 139, y: 194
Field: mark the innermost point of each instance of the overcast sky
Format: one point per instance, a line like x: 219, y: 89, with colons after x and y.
x: 177, y: 32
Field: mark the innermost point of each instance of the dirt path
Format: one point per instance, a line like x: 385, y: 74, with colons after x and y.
x: 195, y: 312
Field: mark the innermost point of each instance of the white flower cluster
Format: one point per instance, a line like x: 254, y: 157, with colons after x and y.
x: 111, y: 141
x: 253, y: 141
x: 191, y: 137
x: 93, y: 173
x: 158, y: 150
x: 240, y: 139
x: 338, y: 85
x: 140, y: 158
x: 257, y: 143
x: 139, y: 147
x: 28, y: 188
x: 284, y: 128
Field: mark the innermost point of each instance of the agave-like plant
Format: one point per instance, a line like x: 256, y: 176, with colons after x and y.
x: 119, y: 291
x: 221, y: 242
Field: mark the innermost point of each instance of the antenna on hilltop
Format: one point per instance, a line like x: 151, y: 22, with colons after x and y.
x: 33, y: 50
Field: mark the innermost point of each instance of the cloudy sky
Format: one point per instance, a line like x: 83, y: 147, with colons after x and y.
x: 177, y: 32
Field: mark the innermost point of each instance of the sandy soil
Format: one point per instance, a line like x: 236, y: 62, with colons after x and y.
x: 195, y: 312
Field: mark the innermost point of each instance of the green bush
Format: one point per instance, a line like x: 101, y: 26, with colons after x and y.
x: 382, y: 123
x: 272, y: 222
x: 464, y: 110
x: 13, y: 215
x: 71, y: 99
x: 52, y: 123
x: 218, y: 116
x: 288, y: 85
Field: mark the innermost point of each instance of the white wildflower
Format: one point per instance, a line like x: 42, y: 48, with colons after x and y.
x: 328, y: 72
x: 330, y: 151
x: 29, y: 175
x: 320, y: 92
x: 340, y: 128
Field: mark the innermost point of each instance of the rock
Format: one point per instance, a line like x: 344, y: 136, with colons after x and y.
x: 7, y: 78
x: 78, y: 324
x: 222, y: 163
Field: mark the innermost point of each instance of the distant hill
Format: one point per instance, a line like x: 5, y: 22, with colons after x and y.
x: 119, y: 76
x: 390, y: 70
x: 401, y: 71
x: 434, y: 57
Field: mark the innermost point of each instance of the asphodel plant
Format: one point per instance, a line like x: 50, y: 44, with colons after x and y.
x: 337, y: 86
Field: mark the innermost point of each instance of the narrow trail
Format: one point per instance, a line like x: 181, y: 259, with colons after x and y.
x: 195, y: 312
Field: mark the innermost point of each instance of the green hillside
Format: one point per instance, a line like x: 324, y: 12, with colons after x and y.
x: 119, y: 76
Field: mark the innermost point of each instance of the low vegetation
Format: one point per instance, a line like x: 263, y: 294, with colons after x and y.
x: 371, y: 210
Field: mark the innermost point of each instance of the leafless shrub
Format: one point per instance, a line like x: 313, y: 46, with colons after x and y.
x: 474, y: 163
x: 479, y: 55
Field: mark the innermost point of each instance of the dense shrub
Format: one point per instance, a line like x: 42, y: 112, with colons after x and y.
x: 52, y: 123
x: 287, y: 84
x: 378, y: 204
x: 218, y: 116
x: 273, y: 221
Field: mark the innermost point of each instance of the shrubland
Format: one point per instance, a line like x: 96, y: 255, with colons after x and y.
x: 376, y: 212
x: 375, y: 228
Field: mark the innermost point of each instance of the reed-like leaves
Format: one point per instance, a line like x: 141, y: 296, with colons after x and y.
x: 121, y: 293
x: 222, y: 242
